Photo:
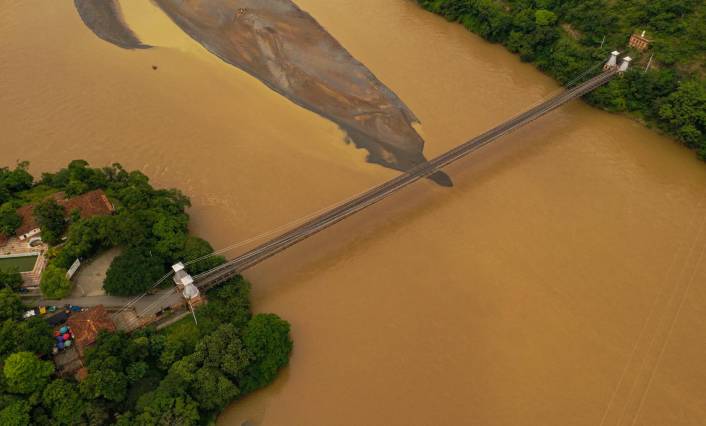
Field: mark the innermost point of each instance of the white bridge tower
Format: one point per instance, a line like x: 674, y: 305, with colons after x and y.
x: 185, y: 286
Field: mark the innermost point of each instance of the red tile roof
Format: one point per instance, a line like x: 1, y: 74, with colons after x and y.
x: 86, y: 326
x: 28, y: 220
x: 93, y: 203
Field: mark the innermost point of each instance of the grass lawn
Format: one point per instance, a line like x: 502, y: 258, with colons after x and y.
x: 22, y: 264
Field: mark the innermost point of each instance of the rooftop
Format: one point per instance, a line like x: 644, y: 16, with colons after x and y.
x: 86, y: 326
x: 93, y: 203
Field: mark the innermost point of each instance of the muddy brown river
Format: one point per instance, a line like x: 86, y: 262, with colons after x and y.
x: 559, y: 282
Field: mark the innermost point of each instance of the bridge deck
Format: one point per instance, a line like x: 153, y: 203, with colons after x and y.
x: 325, y: 220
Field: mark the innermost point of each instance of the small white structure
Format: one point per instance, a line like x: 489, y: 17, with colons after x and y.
x: 625, y: 64
x: 72, y: 270
x: 185, y: 285
x: 613, y: 61
x: 30, y: 234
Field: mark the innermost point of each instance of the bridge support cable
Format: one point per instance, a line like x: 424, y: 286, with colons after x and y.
x: 311, y: 215
x: 370, y: 197
x: 140, y: 297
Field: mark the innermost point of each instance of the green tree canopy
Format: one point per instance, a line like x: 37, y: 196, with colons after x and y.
x: 32, y: 335
x: 223, y: 350
x: 16, y: 414
x: 685, y: 111
x: 9, y: 220
x: 133, y: 272
x: 54, y: 284
x: 10, y: 278
x: 267, y: 338
x: 63, y: 401
x: 212, y: 389
x: 160, y: 408
x: 25, y: 373
x: 13, y: 181
x: 544, y: 18
x: 196, y: 248
x: 229, y: 303
x: 105, y: 383
x: 10, y: 304
x: 50, y: 217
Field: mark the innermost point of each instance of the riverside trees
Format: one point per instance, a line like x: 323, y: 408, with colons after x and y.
x: 50, y: 218
x: 184, y: 374
x: 229, y: 354
x: 151, y: 225
x: 564, y: 38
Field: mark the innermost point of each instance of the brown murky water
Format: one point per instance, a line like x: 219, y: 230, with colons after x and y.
x: 558, y: 283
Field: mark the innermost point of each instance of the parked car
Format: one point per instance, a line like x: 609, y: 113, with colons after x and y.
x: 30, y: 313
x: 72, y: 308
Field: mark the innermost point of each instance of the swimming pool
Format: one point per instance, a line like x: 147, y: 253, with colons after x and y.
x: 23, y: 263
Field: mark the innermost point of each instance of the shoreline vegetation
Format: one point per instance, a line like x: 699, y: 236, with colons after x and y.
x: 182, y: 374
x: 564, y: 38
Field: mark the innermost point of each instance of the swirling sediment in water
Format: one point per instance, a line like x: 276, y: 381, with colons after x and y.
x: 288, y: 50
x: 104, y: 18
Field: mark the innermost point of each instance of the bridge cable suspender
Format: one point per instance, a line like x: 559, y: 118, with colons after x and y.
x: 309, y: 216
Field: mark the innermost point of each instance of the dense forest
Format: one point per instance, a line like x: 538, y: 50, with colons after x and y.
x: 564, y: 38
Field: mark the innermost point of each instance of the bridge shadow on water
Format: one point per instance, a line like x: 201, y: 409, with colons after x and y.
x: 354, y: 235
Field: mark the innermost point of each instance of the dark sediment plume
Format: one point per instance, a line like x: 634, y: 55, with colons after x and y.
x: 104, y: 18
x: 285, y: 48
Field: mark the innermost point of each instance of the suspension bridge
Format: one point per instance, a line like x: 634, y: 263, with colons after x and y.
x: 253, y: 257
x: 188, y: 287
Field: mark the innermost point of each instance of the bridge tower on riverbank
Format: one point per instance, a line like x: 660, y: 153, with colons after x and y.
x: 185, y: 285
x: 624, y: 65
x: 612, y: 61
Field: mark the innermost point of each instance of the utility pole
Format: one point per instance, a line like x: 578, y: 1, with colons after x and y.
x: 649, y: 62
x: 194, y: 314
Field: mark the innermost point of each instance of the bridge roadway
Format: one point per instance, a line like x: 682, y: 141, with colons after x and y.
x: 249, y: 259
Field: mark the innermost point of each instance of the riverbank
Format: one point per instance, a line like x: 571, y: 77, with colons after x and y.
x: 665, y: 87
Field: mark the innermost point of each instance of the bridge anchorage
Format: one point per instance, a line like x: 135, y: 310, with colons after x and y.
x: 192, y: 288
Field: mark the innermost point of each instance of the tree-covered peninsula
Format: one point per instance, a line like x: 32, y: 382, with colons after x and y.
x: 184, y: 373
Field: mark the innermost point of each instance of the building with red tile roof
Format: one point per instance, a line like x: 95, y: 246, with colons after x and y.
x: 93, y: 203
x: 88, y: 324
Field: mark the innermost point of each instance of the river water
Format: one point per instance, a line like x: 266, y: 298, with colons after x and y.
x: 559, y: 282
